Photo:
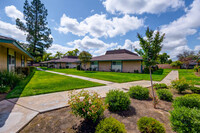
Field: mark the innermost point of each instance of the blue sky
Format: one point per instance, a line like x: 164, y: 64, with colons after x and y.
x: 100, y: 25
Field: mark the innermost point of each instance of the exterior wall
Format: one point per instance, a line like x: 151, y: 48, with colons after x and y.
x: 3, y: 58
x: 167, y: 66
x: 18, y: 60
x: 63, y: 65
x: 87, y: 65
x: 130, y: 66
x: 104, y: 66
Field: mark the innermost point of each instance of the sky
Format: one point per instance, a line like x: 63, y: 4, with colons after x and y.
x: 100, y: 25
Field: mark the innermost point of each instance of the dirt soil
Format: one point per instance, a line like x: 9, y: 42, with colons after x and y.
x: 62, y: 121
x: 2, y: 96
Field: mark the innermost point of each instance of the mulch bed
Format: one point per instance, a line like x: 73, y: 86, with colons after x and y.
x: 2, y: 96
x: 62, y: 121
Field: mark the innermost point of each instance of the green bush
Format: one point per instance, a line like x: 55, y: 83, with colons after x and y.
x: 86, y: 105
x: 139, y: 92
x: 195, y: 89
x: 117, y: 100
x: 150, y: 125
x: 32, y: 69
x: 196, y: 68
x: 180, y: 85
x: 160, y: 86
x: 110, y: 125
x: 189, y: 101
x: 185, y: 120
x: 176, y: 63
x: 164, y: 94
x: 4, y: 89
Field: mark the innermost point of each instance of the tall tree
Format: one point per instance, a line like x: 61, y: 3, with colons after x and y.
x: 72, y: 53
x: 163, y: 58
x: 38, y: 34
x: 58, y: 55
x: 84, y: 58
x: 151, y: 47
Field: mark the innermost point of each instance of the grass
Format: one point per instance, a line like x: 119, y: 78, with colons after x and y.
x: 43, y: 82
x: 116, y: 76
x: 189, y: 75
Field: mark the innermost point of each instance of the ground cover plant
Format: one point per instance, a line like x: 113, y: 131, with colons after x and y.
x: 110, y: 125
x: 165, y: 94
x: 117, y: 100
x: 150, y: 125
x: 139, y: 92
x: 44, y: 82
x: 116, y: 76
x: 189, y: 75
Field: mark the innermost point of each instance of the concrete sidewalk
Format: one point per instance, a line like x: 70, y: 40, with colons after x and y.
x: 16, y: 113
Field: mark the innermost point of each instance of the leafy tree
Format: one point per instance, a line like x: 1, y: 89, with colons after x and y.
x: 169, y: 61
x: 151, y: 46
x: 58, y: 55
x: 72, y: 53
x: 38, y: 34
x: 84, y: 58
x: 163, y: 58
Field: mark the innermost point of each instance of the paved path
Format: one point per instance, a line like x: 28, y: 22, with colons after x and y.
x: 16, y: 113
x: 173, y: 75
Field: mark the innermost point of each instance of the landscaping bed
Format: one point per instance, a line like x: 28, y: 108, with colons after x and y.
x: 62, y: 120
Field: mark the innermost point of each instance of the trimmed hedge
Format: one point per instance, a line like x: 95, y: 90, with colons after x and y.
x: 117, y: 100
x: 164, y: 94
x: 180, y: 85
x: 160, y: 86
x: 195, y: 89
x: 139, y: 92
x: 150, y: 125
x: 110, y: 125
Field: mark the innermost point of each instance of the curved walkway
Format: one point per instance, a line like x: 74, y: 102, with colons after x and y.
x: 16, y: 113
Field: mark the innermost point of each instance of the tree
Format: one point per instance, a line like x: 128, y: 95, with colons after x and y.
x: 163, y: 58
x: 151, y: 47
x: 58, y: 55
x: 84, y: 58
x: 72, y: 53
x: 176, y: 63
x: 38, y: 34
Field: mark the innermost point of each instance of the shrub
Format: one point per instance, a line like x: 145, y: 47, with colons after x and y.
x: 110, y: 125
x: 164, y: 94
x: 176, y: 63
x: 195, y: 89
x: 23, y: 70
x: 139, y: 92
x: 180, y: 85
x: 146, y: 70
x: 86, y: 105
x: 196, y: 68
x: 150, y: 125
x: 185, y: 120
x: 4, y: 89
x: 136, y: 71
x: 189, y: 101
x: 117, y: 100
x: 160, y: 86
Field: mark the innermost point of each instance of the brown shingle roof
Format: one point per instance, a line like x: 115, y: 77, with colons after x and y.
x: 64, y: 59
x: 7, y: 38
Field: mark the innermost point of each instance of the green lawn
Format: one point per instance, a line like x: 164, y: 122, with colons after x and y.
x: 189, y: 75
x: 116, y: 76
x: 43, y: 82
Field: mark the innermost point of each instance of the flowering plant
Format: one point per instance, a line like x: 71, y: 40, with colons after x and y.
x: 87, y: 105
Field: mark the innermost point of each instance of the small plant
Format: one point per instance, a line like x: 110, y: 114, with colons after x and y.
x: 185, y: 120
x: 160, y: 86
x: 196, y: 68
x: 4, y: 89
x: 117, y: 100
x: 150, y: 125
x: 110, y: 125
x: 180, y: 85
x: 195, y: 89
x: 164, y: 94
x: 139, y: 92
x: 88, y: 106
x: 189, y: 101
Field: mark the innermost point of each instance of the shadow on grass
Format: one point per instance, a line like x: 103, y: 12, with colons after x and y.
x: 158, y: 72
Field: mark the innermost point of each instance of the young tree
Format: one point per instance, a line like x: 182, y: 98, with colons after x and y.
x: 151, y: 46
x: 72, y: 53
x: 58, y: 55
x: 84, y: 58
x: 38, y: 34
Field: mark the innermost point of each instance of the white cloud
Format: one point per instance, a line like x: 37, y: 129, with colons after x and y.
x: 98, y: 25
x: 141, y: 6
x: 177, y: 31
x: 92, y: 44
x: 197, y: 48
x: 173, y: 53
x: 12, y: 12
x: 57, y: 47
x: 129, y: 45
x: 7, y: 29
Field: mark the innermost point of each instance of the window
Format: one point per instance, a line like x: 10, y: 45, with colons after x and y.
x: 11, y: 60
x: 94, y: 65
x: 116, y: 66
x: 23, y: 61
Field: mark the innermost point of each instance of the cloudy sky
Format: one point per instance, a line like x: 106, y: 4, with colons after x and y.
x: 100, y: 25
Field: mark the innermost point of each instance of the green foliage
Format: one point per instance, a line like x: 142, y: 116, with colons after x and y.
x: 195, y: 89
x: 58, y: 55
x: 189, y: 101
x: 110, y: 125
x: 176, y: 63
x: 160, y: 86
x: 117, y: 100
x: 38, y: 34
x: 85, y: 57
x: 196, y: 68
x: 4, y: 89
x: 150, y: 125
x: 86, y: 105
x: 163, y: 58
x: 180, y: 85
x: 72, y: 53
x: 185, y: 120
x: 164, y: 94
x: 139, y: 92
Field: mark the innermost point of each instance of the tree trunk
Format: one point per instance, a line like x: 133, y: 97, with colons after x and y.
x: 154, y: 102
